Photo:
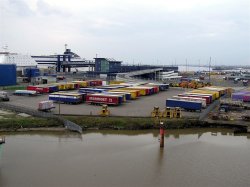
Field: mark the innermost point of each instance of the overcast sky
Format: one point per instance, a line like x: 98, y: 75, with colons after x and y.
x: 139, y: 31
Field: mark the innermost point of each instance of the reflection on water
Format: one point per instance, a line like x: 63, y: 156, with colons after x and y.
x: 191, y: 157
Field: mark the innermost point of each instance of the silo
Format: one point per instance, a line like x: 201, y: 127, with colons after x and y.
x: 7, y: 74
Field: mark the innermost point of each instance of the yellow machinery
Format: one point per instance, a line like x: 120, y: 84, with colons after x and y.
x: 177, y: 112
x: 167, y: 113
x: 156, y: 112
x: 104, y: 111
x: 172, y: 112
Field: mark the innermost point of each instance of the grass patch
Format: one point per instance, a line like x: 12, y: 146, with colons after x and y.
x: 111, y: 122
x: 130, y: 123
x: 88, y: 122
x: 16, y: 87
x: 31, y: 122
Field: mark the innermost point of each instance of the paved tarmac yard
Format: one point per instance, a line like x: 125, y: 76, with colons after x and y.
x: 140, y: 107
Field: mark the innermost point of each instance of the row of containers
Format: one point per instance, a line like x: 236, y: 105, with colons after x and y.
x: 109, y: 94
x: 197, y: 99
x: 63, y: 86
x: 33, y: 90
x: 94, y: 92
x: 241, y: 96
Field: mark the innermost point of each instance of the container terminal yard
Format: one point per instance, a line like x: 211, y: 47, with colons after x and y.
x: 107, y: 105
x: 111, y: 89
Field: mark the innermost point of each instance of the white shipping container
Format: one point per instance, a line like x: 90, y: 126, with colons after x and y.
x: 104, y: 83
x: 45, y: 105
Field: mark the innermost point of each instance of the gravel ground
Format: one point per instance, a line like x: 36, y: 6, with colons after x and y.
x: 217, y: 80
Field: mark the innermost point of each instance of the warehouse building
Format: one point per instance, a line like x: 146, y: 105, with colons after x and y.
x: 7, y: 74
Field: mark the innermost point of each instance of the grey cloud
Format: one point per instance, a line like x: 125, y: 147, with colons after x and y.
x: 19, y: 7
x: 134, y: 32
x: 46, y: 9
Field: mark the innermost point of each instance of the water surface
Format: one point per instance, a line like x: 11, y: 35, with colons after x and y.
x: 194, y: 157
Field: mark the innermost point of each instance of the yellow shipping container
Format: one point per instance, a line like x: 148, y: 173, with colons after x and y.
x: 83, y: 84
x: 121, y: 94
x: 215, y: 94
x: 61, y: 86
x: 132, y: 92
x: 115, y: 82
x: 221, y: 91
x: 227, y: 89
x: 141, y: 90
x: 69, y: 86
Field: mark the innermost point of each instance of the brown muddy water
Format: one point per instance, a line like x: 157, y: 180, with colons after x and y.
x: 193, y: 157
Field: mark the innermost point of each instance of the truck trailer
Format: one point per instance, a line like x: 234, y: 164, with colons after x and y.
x: 104, y: 99
x: 4, y: 96
x: 45, y: 106
x: 68, y: 98
x: 187, y: 105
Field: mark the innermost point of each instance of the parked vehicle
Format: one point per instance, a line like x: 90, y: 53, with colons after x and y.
x: 60, y: 77
x: 104, y: 99
x: 39, y: 89
x: 4, y: 96
x: 45, y: 106
x: 245, y: 82
x: 162, y: 87
x: 25, y: 93
x: 203, y: 101
x: 187, y: 105
x: 69, y: 98
x: 127, y: 95
x: 206, y: 97
x: 91, y: 90
x: 133, y: 93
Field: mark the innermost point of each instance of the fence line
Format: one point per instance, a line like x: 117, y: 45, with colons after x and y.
x: 68, y: 124
x: 209, y: 109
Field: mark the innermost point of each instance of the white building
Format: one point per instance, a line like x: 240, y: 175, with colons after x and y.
x: 21, y: 61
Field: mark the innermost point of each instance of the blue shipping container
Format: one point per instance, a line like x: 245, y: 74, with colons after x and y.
x: 53, y: 89
x: 7, y: 74
x: 31, y: 72
x: 187, y: 105
x: 65, y: 99
x: 91, y: 90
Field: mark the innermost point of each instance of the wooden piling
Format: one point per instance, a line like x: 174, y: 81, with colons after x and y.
x: 161, y: 135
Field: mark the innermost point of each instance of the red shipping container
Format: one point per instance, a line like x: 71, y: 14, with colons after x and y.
x: 208, y: 101
x: 246, y: 98
x: 38, y: 89
x: 42, y: 89
x: 95, y: 82
x: 33, y: 88
x: 102, y: 99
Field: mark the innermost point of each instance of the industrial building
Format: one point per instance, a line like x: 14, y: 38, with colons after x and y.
x: 103, y: 67
x: 111, y: 67
x: 7, y: 74
x: 69, y: 61
x: 21, y: 61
